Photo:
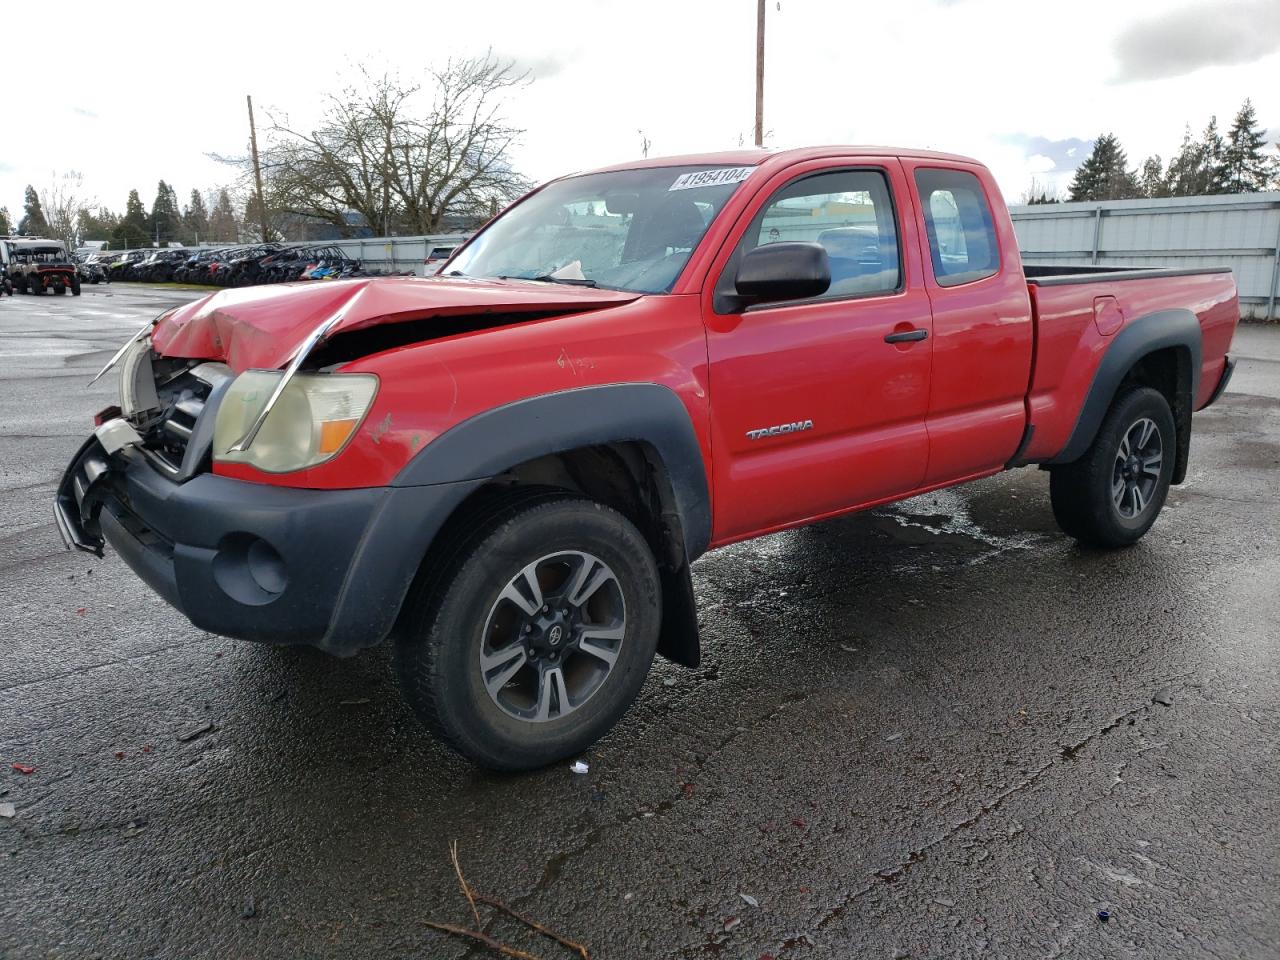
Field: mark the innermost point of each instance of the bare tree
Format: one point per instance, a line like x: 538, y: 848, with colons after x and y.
x: 401, y: 156
x: 63, y: 203
x: 1037, y: 192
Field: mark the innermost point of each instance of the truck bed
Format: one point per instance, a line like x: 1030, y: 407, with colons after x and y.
x: 1079, y: 310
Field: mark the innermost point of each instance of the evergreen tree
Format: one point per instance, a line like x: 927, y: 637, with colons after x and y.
x: 222, y: 221
x: 1198, y: 169
x: 1186, y: 176
x: 98, y: 225
x: 1104, y: 175
x: 1151, y: 181
x: 135, y: 215
x: 5, y: 228
x: 33, y: 222
x: 1245, y: 168
x: 132, y: 230
x: 166, y: 218
x: 1215, y: 175
x: 195, y: 219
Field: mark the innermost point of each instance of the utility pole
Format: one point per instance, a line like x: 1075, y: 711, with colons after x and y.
x: 257, y: 170
x: 759, y: 73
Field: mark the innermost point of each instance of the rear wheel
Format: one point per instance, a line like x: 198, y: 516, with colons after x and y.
x: 1112, y: 495
x: 75, y: 286
x: 530, y: 641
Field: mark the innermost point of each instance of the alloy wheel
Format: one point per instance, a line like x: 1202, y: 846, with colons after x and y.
x: 553, y: 636
x: 1136, y: 473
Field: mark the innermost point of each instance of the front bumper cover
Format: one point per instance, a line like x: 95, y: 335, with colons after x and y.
x: 325, y: 568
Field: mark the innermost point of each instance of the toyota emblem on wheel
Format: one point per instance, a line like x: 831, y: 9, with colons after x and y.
x: 554, y: 636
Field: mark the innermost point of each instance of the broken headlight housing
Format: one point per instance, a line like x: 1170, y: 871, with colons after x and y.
x: 314, y: 417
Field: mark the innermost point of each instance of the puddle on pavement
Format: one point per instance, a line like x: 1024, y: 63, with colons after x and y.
x: 946, y: 514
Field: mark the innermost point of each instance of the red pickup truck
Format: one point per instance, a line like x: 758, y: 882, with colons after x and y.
x: 508, y: 467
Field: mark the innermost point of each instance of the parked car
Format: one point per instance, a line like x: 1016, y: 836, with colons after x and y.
x: 160, y: 266
x: 436, y: 258
x: 509, y: 469
x: 125, y: 267
x: 37, y: 265
x: 195, y: 269
x: 90, y: 268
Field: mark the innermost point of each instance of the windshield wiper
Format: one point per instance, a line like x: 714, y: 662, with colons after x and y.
x: 548, y: 278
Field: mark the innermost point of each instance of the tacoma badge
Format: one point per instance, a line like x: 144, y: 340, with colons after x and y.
x: 794, y: 427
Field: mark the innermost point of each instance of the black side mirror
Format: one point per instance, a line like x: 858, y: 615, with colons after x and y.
x: 784, y: 271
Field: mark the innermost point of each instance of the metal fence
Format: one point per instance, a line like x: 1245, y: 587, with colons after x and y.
x: 394, y: 254
x: 1241, y: 231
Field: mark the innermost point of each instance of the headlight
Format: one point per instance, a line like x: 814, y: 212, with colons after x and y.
x: 314, y: 418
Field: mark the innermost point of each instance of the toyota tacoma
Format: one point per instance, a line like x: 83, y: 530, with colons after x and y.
x: 507, y: 468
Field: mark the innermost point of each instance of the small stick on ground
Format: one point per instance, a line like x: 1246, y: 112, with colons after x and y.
x: 462, y: 881
x: 488, y: 941
x: 533, y: 924
x: 479, y: 937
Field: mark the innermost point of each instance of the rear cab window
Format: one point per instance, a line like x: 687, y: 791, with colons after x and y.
x: 959, y: 225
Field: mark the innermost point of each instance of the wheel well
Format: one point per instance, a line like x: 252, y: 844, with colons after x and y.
x: 630, y: 477
x: 1168, y: 370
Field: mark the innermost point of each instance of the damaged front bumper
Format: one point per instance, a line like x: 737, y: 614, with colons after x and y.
x: 325, y: 568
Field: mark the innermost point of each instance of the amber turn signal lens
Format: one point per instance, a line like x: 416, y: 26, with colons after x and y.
x: 334, y: 433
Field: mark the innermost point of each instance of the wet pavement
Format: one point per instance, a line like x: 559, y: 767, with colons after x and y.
x: 933, y: 730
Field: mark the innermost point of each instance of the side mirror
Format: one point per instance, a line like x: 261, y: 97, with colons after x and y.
x: 784, y: 271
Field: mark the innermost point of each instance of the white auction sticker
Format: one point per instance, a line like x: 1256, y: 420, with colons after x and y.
x: 711, y: 178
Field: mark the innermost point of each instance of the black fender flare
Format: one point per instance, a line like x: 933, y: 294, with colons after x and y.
x: 1161, y: 330
x: 494, y: 441
x: 489, y: 443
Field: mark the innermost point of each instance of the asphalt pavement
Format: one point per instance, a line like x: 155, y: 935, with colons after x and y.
x: 938, y: 729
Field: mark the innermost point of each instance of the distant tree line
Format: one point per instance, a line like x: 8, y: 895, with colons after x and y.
x: 62, y: 213
x: 1210, y: 164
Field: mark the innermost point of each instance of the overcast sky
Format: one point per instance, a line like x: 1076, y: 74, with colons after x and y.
x: 141, y: 91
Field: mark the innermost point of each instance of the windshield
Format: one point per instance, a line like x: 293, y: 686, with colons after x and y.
x: 627, y: 230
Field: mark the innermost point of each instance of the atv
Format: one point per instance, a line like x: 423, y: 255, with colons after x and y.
x: 39, y: 265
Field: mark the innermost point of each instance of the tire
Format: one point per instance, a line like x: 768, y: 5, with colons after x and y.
x: 75, y: 286
x: 513, y: 715
x: 1112, y: 495
x: 59, y: 288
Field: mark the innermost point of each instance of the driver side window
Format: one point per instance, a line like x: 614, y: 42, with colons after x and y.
x: 850, y: 213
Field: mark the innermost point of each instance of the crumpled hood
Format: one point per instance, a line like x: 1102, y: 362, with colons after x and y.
x: 262, y: 327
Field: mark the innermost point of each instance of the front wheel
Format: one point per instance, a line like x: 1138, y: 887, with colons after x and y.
x: 1112, y: 495
x: 530, y: 641
x: 75, y: 286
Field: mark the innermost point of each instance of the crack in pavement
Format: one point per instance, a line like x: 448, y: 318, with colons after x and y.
x: 895, y: 873
x: 554, y: 865
x: 98, y: 666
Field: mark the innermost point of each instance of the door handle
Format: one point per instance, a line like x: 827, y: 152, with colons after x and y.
x: 906, y: 336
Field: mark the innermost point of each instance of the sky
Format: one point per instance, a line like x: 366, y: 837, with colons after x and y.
x: 150, y: 91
